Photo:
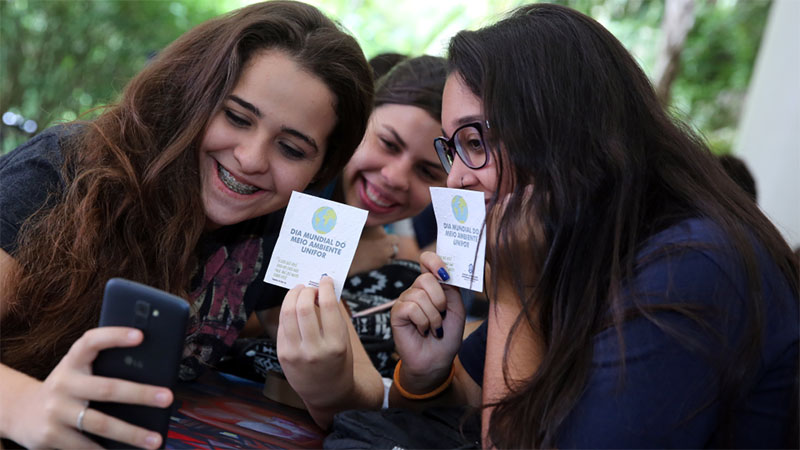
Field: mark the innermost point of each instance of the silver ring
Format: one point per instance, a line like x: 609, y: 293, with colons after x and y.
x: 395, y: 250
x: 80, y: 418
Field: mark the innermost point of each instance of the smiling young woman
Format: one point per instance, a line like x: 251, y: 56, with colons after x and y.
x: 267, y: 140
x: 177, y: 186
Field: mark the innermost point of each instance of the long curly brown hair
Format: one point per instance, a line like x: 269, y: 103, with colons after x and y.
x: 131, y: 205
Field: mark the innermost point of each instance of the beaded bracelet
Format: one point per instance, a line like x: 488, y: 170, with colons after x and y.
x: 428, y: 395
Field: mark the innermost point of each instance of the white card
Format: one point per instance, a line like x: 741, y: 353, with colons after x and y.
x: 461, y: 238
x: 318, y: 237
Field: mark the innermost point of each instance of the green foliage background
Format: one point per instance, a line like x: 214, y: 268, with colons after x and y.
x: 59, y: 59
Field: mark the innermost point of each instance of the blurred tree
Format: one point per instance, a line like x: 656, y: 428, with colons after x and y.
x: 716, y: 64
x: 712, y: 67
x: 675, y: 26
x: 60, y: 58
x: 411, y: 27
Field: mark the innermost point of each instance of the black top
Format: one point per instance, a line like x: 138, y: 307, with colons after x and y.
x: 227, y: 285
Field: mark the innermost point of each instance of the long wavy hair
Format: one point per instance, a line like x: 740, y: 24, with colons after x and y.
x: 578, y: 119
x: 131, y: 206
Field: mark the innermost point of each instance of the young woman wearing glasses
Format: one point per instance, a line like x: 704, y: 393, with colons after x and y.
x: 639, y: 297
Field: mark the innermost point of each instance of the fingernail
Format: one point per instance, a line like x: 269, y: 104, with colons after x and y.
x: 440, y: 332
x: 443, y: 313
x: 162, y: 397
x: 153, y: 440
x: 133, y: 335
x: 443, y: 274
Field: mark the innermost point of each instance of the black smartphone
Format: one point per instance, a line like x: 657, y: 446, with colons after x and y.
x: 162, y: 318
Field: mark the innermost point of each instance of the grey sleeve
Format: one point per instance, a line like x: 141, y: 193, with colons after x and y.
x: 29, y: 175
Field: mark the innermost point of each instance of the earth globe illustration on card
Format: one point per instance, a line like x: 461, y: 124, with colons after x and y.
x: 459, y: 208
x: 324, y: 220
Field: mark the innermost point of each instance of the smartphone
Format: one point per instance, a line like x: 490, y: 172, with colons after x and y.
x: 162, y: 318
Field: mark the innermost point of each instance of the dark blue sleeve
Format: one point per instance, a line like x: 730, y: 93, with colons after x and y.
x: 28, y: 175
x: 658, y: 400
x: 472, y: 354
x: 425, y: 226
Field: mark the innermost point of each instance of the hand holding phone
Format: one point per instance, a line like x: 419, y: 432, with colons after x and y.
x: 52, y: 413
x: 162, y: 318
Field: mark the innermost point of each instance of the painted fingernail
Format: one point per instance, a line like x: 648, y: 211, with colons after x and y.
x: 440, y: 332
x: 443, y: 313
x: 443, y: 274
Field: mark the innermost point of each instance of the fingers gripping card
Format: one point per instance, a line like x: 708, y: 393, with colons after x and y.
x: 461, y: 238
x: 318, y: 237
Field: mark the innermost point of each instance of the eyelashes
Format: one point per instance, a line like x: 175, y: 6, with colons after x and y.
x: 287, y: 149
x: 236, y: 119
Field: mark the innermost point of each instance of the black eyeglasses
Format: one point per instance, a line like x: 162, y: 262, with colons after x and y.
x: 467, y: 141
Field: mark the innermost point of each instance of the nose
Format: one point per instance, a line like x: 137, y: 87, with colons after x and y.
x: 461, y: 176
x: 397, y: 174
x: 252, y: 155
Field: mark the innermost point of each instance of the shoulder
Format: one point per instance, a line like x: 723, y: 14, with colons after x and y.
x: 696, y: 257
x: 29, y: 176
x: 695, y: 265
x: 43, y: 150
x: 694, y: 268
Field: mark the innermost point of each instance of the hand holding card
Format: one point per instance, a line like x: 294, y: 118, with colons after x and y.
x: 461, y: 239
x: 318, y: 237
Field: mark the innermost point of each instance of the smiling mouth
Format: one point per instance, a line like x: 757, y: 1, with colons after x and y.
x: 233, y: 184
x: 375, y: 196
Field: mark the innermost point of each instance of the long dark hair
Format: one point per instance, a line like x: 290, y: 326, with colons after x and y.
x: 416, y: 82
x: 132, y: 206
x: 579, y: 120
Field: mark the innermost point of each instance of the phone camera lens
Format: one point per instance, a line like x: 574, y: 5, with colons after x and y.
x: 142, y: 308
x: 141, y: 311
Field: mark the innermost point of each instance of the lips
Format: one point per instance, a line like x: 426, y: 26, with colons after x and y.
x: 233, y: 184
x: 374, y: 199
x: 375, y: 196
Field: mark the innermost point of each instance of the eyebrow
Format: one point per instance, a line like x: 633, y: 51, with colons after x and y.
x: 397, y: 137
x: 303, y: 137
x: 465, y: 120
x: 254, y: 109
x: 246, y: 105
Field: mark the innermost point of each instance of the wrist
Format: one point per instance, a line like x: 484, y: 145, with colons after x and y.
x: 422, y: 378
x: 330, y: 396
x: 325, y: 404
x: 421, y: 387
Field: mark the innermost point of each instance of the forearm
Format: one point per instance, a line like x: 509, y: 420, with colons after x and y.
x: 362, y: 390
x: 12, y: 391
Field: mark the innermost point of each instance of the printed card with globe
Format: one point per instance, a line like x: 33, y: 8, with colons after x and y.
x: 461, y: 239
x: 318, y: 237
